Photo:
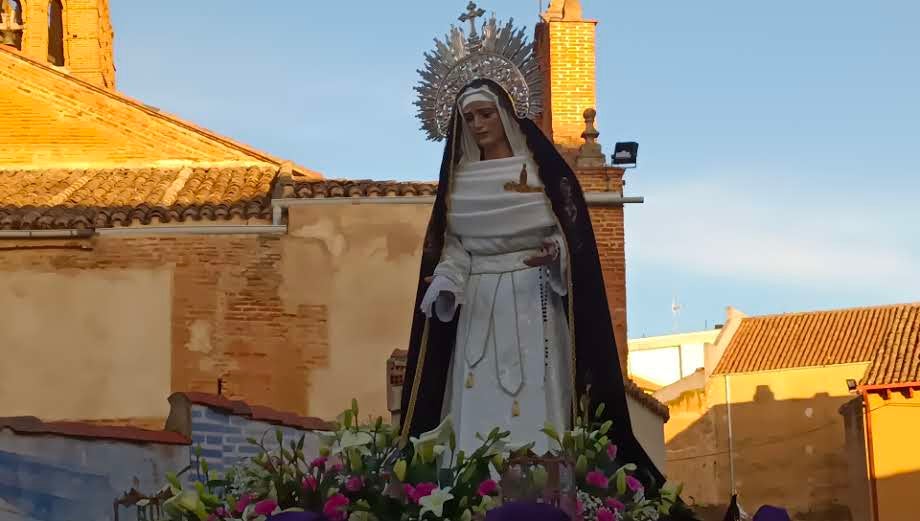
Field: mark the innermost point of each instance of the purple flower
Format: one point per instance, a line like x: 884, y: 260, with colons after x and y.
x: 266, y: 507
x: 335, y: 508
x: 244, y: 501
x: 596, y: 479
x: 488, y: 488
x: 354, y: 484
x: 419, y: 491
x: 615, y: 505
x: 297, y: 516
x: 309, y: 484
x: 612, y: 451
x: 319, y: 463
x: 605, y: 515
x: 634, y: 484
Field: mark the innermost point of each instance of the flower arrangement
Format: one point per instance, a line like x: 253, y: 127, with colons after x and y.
x: 362, y: 474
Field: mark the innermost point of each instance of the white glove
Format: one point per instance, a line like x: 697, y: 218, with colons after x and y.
x: 444, y: 296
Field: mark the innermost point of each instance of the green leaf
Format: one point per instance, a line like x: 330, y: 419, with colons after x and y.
x: 621, y: 482
x: 583, y: 403
x: 550, y: 432
x: 600, y: 411
x: 252, y: 441
x: 605, y: 427
x: 279, y: 436
x: 581, y: 466
x: 173, y: 482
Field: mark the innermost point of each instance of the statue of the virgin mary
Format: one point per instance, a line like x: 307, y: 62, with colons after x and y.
x: 511, y: 324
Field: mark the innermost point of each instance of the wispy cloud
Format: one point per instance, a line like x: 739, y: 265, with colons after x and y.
x: 782, y: 232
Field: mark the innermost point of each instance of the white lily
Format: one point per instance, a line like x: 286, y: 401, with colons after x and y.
x: 359, y: 440
x: 434, y: 502
x: 440, y: 435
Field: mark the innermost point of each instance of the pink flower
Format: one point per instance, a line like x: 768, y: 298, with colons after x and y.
x: 488, y: 488
x: 615, y: 505
x: 596, y: 479
x: 319, y: 463
x: 634, y: 484
x: 612, y: 451
x: 338, y: 467
x: 605, y: 515
x: 221, y: 512
x: 579, y: 508
x: 334, y: 509
x: 266, y: 507
x: 354, y: 484
x: 419, y: 491
x: 244, y: 501
x: 309, y: 483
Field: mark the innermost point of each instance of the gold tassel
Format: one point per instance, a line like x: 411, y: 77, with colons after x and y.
x: 515, y: 409
x: 469, y: 380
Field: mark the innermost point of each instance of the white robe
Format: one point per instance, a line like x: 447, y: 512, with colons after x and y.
x: 510, y: 367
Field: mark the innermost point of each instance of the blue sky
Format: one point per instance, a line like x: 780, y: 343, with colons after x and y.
x: 779, y: 140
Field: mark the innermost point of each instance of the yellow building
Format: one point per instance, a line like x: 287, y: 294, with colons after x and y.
x: 766, y: 420
x: 883, y: 425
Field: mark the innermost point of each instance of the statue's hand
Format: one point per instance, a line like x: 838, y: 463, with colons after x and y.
x: 548, y: 253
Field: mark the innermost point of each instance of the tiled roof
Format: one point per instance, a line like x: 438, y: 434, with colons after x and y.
x: 649, y: 401
x: 256, y: 412
x: 105, y: 198
x: 58, y: 199
x: 30, y: 425
x: 887, y: 336
x: 309, y: 189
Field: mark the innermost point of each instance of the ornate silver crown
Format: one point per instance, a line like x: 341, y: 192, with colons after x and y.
x: 501, y: 54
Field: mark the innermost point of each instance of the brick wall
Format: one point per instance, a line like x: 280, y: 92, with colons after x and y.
x: 567, y: 54
x: 88, y: 38
x: 229, y: 317
x: 609, y: 232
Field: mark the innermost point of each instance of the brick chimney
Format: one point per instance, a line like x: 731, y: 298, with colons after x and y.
x: 565, y: 44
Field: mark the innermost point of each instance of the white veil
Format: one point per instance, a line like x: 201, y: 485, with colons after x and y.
x: 516, y: 138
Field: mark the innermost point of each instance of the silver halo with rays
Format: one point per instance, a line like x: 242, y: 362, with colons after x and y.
x: 501, y: 54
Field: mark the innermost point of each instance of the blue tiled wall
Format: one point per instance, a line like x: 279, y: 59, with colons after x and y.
x: 52, y: 478
x: 222, y: 437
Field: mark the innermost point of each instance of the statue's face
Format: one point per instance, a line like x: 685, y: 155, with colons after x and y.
x: 485, y: 123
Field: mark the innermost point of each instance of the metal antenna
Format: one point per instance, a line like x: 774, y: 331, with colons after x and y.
x: 675, y: 312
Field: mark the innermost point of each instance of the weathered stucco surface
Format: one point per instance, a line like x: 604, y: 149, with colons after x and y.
x: 88, y: 344
x: 789, y: 442
x: 362, y: 262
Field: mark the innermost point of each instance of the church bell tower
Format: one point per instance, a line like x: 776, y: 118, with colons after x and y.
x: 74, y: 36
